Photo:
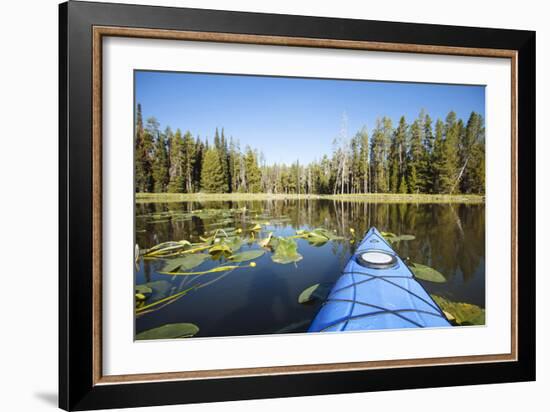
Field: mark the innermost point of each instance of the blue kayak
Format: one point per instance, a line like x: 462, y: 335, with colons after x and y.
x: 377, y: 291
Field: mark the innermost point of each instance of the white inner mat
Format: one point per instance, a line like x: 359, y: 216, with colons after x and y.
x: 376, y: 257
x: 121, y: 355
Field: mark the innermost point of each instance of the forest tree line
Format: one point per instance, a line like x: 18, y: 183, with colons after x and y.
x: 445, y: 158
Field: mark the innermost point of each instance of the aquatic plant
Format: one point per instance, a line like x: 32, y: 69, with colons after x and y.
x: 169, y: 331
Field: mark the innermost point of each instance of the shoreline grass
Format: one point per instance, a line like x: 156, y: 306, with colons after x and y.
x: 366, y: 197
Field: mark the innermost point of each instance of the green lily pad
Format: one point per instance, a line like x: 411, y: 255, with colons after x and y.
x: 319, y: 233
x: 220, y: 248
x: 316, y: 292
x: 167, y: 248
x: 317, y: 237
x: 144, y: 289
x: 152, y: 291
x: 227, y: 245
x: 234, y: 243
x: 464, y: 313
x: 286, y: 251
x: 186, y: 262
x: 426, y: 273
x: 393, y: 238
x: 246, y: 255
x: 169, y: 331
x: 222, y: 268
x: 325, y: 233
x: 317, y: 241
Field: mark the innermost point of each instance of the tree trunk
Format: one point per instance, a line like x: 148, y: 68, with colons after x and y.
x: 459, y: 175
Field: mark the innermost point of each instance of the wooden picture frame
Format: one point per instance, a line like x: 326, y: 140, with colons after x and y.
x: 82, y: 28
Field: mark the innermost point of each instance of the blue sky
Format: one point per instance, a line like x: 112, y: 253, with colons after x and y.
x: 291, y: 118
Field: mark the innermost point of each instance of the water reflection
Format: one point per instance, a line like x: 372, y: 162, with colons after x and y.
x: 449, y: 237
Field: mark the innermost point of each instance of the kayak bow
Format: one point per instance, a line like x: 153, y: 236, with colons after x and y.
x: 377, y: 291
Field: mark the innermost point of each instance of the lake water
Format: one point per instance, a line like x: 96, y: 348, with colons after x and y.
x: 264, y: 299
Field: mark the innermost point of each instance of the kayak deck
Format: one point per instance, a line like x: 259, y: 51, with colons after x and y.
x: 377, y: 296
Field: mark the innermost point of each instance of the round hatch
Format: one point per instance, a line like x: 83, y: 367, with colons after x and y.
x: 376, y: 259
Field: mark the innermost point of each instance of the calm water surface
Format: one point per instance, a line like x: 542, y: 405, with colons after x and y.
x: 264, y: 299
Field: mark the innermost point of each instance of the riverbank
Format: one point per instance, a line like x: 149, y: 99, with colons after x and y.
x: 367, y: 197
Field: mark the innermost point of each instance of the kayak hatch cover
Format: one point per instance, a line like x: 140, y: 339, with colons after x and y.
x: 377, y: 291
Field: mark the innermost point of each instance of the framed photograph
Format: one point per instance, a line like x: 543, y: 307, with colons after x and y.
x: 257, y: 205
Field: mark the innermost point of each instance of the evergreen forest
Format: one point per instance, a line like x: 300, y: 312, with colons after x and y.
x: 422, y: 156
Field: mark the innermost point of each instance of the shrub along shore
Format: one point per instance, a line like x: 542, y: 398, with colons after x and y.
x: 366, y: 197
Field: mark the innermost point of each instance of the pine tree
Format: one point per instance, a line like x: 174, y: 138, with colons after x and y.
x: 224, y: 160
x: 160, y: 165
x: 177, y: 180
x: 471, y: 156
x: 253, y: 175
x: 355, y: 163
x: 143, y: 155
x: 447, y: 157
x: 188, y: 161
x: 453, y: 129
x: 438, y: 160
x: 415, y: 157
x: 325, y: 177
x: 426, y: 169
x: 217, y: 141
x: 364, y: 168
x: 379, y: 155
x: 211, y: 176
x: 398, y: 155
x: 197, y: 166
x: 233, y: 165
x: 394, y: 177
x: 478, y: 168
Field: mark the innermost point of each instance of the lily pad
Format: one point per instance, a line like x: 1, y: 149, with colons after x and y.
x: 463, y: 313
x: 317, y: 237
x: 317, y: 241
x: 220, y: 248
x: 167, y: 248
x: 143, y: 308
x: 227, y: 245
x: 316, y: 292
x: 326, y: 233
x: 393, y: 238
x: 144, y: 289
x: 222, y: 268
x: 157, y: 289
x: 234, y: 243
x: 169, y: 331
x: 286, y: 251
x: 246, y: 255
x: 426, y: 273
x: 186, y: 262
